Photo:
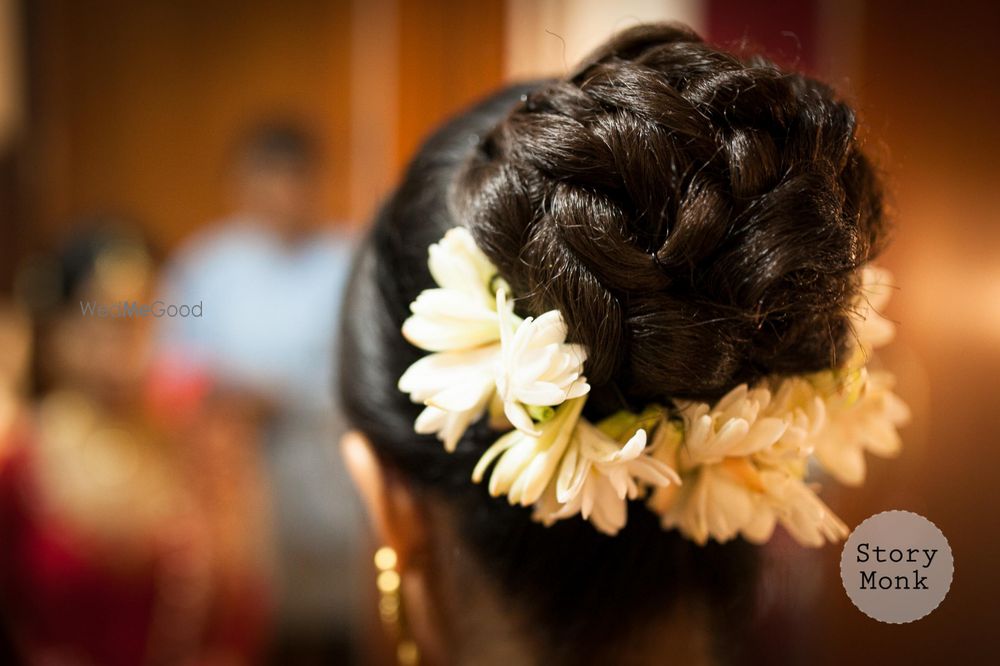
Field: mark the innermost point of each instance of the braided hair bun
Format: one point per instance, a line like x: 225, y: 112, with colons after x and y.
x: 697, y: 218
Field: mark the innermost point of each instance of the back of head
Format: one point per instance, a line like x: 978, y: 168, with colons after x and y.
x: 276, y: 166
x: 698, y: 219
x: 278, y: 144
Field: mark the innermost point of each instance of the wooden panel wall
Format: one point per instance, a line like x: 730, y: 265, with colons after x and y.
x: 925, y: 90
x: 451, y: 54
x: 136, y: 104
x: 916, y: 71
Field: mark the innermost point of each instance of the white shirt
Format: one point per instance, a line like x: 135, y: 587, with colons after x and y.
x: 269, y: 310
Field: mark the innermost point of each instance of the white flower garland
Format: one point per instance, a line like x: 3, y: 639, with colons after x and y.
x: 736, y: 467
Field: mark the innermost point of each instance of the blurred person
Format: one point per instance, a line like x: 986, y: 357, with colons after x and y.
x: 114, y: 550
x: 15, y: 354
x: 269, y: 279
x: 591, y: 288
x: 15, y: 346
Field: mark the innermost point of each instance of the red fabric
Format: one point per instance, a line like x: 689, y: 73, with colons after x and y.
x: 785, y: 30
x: 174, y: 392
x: 58, y: 601
x: 63, y: 605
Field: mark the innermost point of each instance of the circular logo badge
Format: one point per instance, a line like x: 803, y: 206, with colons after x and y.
x: 896, y: 567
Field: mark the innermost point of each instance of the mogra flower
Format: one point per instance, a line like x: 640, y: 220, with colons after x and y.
x: 862, y: 411
x: 598, y: 474
x: 861, y: 416
x: 714, y: 502
x: 536, y: 368
x: 799, y: 510
x: 795, y: 401
x: 461, y: 312
x: 742, y: 461
x: 525, y: 464
x: 737, y: 425
x: 871, y: 329
x: 456, y: 388
x: 736, y: 497
x: 480, y: 346
x: 459, y: 322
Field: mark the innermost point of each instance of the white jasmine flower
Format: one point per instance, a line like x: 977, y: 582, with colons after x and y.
x: 481, y: 345
x: 735, y: 426
x: 735, y: 497
x: 526, y: 464
x: 712, y: 449
x: 742, y: 462
x: 456, y: 387
x: 713, y: 503
x: 459, y: 321
x: 461, y: 312
x: 605, y: 511
x: 862, y: 415
x: 795, y: 401
x: 457, y: 263
x: 537, y: 367
x: 798, y: 509
x: 445, y: 320
x: 598, y: 475
x: 717, y: 500
x: 871, y: 328
x: 862, y: 412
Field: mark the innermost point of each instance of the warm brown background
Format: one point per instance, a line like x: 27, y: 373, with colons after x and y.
x: 131, y: 106
x: 925, y: 86
x: 134, y: 105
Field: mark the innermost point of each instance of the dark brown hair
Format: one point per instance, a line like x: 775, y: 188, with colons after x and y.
x: 698, y: 218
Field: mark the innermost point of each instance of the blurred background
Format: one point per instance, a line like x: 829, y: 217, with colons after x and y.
x: 169, y: 489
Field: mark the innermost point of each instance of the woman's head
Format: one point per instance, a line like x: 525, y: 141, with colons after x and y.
x: 698, y: 219
x: 89, y: 339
